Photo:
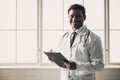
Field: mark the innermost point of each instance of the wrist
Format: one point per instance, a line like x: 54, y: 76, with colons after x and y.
x: 72, y: 65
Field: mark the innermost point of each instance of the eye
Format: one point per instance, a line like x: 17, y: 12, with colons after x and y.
x: 71, y: 16
x: 78, y: 16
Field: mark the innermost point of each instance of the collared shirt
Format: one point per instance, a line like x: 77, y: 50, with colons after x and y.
x: 88, y: 55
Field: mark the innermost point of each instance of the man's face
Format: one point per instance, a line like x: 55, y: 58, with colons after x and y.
x: 76, y: 18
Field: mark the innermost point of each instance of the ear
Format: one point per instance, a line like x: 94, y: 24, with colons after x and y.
x: 84, y: 17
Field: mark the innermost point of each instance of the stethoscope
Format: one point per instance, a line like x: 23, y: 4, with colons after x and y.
x: 86, y: 38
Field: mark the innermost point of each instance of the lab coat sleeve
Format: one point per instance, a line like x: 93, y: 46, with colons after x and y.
x: 96, y: 58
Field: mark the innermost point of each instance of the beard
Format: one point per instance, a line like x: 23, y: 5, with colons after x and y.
x: 77, y: 25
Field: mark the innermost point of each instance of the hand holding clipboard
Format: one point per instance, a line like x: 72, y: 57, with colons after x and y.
x: 57, y: 57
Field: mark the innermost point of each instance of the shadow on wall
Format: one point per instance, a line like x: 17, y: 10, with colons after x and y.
x: 108, y: 74
x: 29, y: 74
x: 50, y: 74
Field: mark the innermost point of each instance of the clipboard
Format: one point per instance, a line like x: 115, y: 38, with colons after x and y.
x: 59, y: 59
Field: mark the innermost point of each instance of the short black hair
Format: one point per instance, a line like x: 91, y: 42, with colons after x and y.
x: 77, y: 7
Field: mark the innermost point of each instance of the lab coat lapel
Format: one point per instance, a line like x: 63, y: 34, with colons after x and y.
x: 66, y: 47
x: 80, y: 34
x: 77, y: 40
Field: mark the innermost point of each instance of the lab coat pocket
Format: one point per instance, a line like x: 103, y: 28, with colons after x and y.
x: 83, y: 53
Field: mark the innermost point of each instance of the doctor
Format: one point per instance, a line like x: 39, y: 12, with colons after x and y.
x: 84, y: 52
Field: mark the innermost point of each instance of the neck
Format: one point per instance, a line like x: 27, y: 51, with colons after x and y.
x: 74, y: 29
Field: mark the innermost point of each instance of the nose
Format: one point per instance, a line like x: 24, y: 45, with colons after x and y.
x: 75, y: 18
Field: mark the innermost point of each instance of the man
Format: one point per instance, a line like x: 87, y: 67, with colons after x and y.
x: 84, y: 52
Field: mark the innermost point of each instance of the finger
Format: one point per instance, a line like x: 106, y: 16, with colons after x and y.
x: 67, y: 65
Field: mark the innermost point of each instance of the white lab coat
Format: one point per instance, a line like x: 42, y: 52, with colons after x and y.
x: 87, y: 55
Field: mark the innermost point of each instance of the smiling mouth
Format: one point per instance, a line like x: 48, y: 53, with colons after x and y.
x: 74, y: 23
